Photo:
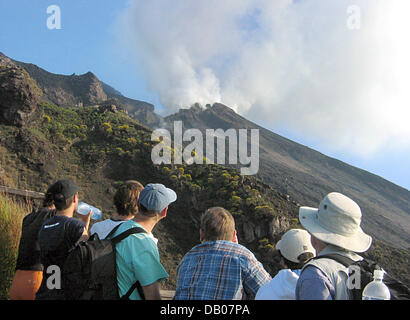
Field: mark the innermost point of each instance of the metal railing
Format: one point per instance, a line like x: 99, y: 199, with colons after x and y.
x: 23, y: 193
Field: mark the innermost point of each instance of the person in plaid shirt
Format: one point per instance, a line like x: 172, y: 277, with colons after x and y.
x: 219, y: 268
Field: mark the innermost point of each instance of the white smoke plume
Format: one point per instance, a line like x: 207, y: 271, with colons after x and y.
x: 293, y: 64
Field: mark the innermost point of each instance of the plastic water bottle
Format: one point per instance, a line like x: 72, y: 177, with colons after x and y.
x: 376, y: 290
x: 84, y: 209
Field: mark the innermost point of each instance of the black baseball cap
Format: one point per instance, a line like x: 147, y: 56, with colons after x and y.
x: 63, y: 189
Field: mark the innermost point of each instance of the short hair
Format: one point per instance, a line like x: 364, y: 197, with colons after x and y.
x: 61, y: 203
x: 148, y: 213
x: 126, y: 198
x: 48, y: 200
x: 303, y: 258
x: 217, y: 223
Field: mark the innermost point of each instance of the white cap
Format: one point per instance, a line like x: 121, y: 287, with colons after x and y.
x: 293, y: 243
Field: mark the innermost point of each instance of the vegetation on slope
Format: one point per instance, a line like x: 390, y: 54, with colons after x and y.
x: 99, y: 147
x: 11, y: 217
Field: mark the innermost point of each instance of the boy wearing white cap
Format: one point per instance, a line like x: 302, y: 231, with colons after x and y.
x: 335, y: 229
x: 296, y: 249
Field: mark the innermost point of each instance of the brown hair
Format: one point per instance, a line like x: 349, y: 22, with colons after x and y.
x: 217, y: 223
x: 48, y: 200
x: 126, y: 198
x: 147, y: 213
x: 302, y: 258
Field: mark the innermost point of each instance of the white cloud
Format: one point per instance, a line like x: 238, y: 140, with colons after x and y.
x: 293, y: 63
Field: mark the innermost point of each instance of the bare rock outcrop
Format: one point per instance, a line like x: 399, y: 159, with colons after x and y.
x: 19, y: 96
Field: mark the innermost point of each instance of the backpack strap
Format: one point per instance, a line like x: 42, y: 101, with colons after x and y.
x: 127, y: 233
x: 338, y: 258
x: 118, y: 239
x: 137, y: 286
x: 112, y: 231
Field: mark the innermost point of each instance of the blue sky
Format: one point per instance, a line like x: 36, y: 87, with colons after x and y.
x: 90, y: 41
x: 85, y: 42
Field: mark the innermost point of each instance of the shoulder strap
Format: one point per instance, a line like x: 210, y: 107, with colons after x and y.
x: 125, y: 234
x: 113, y: 231
x: 338, y: 258
x: 116, y: 240
x: 137, y: 286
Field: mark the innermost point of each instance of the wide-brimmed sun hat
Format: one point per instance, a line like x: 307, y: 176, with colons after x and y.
x: 336, y: 221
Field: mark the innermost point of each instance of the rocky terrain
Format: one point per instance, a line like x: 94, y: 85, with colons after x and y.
x: 85, y: 89
x: 100, y: 145
x: 19, y: 96
x: 307, y: 175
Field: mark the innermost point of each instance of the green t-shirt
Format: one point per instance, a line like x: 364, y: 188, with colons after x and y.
x: 137, y: 259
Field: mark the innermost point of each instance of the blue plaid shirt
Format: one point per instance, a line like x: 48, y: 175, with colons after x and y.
x: 219, y: 270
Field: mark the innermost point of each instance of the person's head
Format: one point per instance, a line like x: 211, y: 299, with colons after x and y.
x: 295, y: 248
x: 126, y: 198
x: 154, y: 200
x: 65, y: 195
x: 319, y: 245
x: 217, y: 223
x: 336, y: 222
x: 48, y: 201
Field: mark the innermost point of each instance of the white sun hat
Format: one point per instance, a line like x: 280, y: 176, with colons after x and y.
x: 337, y: 222
x: 293, y: 243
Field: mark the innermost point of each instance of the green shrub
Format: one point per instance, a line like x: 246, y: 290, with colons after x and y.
x: 263, y: 242
x: 119, y: 151
x: 233, y: 184
x: 264, y: 211
x: 227, y: 176
x: 124, y: 128
x: 106, y: 127
x: 11, y: 217
x: 254, y: 192
x: 166, y: 170
x: 236, y: 199
x: 132, y: 141
x: 187, y: 177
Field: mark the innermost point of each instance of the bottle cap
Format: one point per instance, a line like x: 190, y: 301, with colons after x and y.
x: 378, y: 274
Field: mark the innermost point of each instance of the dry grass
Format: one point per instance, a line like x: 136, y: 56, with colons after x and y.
x: 11, y: 217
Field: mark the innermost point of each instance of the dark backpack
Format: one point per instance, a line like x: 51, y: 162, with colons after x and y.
x: 90, y: 270
x: 398, y: 290
x: 28, y: 257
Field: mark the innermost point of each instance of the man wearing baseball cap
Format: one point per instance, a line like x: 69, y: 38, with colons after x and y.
x: 335, y: 229
x: 295, y: 249
x: 137, y: 255
x: 58, y: 236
